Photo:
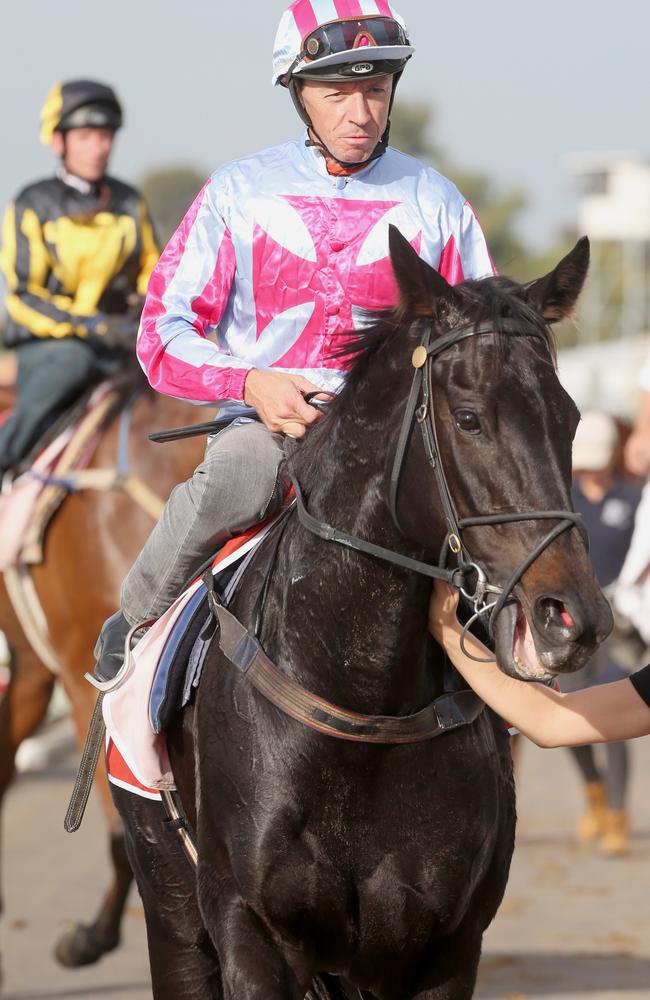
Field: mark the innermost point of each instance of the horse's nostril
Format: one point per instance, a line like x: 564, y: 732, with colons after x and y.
x: 555, y: 614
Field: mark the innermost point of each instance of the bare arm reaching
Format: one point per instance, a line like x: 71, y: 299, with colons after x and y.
x: 610, y: 712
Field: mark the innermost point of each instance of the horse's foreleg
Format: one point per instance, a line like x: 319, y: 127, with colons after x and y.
x: 252, y: 967
x: 84, y: 944
x: 453, y: 968
x: 184, y: 964
x: 22, y: 709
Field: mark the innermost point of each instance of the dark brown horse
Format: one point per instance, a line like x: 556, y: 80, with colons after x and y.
x: 378, y: 868
x: 90, y: 545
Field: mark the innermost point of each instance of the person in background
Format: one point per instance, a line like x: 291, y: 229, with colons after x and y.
x: 637, y: 448
x: 607, y: 502
x: 632, y: 594
x: 77, y: 252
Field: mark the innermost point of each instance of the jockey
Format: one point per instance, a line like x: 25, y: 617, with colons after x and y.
x: 277, y: 259
x: 77, y: 253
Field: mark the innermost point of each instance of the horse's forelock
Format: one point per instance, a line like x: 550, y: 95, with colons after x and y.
x: 500, y: 301
x: 496, y: 300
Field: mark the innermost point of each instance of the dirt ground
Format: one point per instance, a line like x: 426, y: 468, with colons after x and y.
x: 573, y: 926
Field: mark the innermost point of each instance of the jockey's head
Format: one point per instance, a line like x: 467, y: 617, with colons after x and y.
x: 342, y: 72
x: 78, y: 121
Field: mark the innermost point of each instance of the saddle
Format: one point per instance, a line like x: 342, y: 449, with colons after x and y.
x: 181, y: 662
x: 29, y: 503
x: 159, y: 676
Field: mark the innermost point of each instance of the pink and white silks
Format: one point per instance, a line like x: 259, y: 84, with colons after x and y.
x: 276, y: 261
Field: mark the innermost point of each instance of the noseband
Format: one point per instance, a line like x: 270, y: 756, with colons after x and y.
x: 486, y: 598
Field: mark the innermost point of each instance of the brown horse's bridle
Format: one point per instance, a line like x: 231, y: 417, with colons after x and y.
x: 486, y: 598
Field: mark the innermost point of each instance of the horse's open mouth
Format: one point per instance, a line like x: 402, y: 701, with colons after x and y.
x: 515, y: 639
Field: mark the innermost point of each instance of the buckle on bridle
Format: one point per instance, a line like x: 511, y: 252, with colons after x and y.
x: 456, y: 546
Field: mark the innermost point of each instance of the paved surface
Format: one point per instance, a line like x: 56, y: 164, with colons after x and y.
x: 50, y: 879
x: 573, y: 926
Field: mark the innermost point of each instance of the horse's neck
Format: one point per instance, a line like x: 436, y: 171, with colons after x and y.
x: 352, y: 628
x: 162, y: 466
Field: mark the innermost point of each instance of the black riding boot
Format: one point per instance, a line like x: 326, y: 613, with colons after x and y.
x: 109, y: 648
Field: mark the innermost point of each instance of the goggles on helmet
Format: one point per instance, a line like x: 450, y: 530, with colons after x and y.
x: 344, y: 36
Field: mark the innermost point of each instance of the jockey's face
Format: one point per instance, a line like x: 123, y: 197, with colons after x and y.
x: 350, y: 118
x: 85, y: 151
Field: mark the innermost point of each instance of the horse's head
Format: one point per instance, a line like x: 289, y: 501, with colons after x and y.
x: 502, y: 427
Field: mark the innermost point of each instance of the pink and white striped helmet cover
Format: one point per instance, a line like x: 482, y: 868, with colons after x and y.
x: 304, y: 16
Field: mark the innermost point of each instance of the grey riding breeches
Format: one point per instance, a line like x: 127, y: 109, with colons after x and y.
x: 236, y: 485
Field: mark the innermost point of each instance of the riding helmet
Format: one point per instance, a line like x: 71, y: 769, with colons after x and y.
x: 79, y: 104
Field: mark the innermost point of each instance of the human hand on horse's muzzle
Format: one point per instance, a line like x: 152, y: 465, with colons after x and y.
x: 446, y: 621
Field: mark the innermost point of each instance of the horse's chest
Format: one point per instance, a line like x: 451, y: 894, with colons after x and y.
x: 354, y: 852
x: 367, y: 909
x: 399, y: 869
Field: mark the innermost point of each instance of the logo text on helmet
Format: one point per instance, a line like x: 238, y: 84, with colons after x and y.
x: 363, y: 68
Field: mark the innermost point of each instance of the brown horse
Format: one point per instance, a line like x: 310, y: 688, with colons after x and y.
x: 90, y: 545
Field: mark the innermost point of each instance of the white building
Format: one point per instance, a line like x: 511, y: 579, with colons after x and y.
x: 614, y: 321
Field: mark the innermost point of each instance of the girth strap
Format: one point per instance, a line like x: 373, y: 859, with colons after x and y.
x: 447, y: 712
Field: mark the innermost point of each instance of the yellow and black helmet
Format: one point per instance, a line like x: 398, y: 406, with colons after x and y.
x: 79, y: 104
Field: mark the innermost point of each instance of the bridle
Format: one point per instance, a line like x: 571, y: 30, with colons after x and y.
x: 486, y: 598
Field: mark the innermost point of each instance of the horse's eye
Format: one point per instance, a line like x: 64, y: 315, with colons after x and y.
x: 468, y: 421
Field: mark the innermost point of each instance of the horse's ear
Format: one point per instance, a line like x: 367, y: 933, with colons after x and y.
x: 555, y: 295
x: 419, y: 284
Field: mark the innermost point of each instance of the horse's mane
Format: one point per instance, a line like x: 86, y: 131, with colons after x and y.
x: 494, y: 300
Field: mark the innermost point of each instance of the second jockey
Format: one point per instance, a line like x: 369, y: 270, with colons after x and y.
x: 77, y: 253
x: 275, y: 262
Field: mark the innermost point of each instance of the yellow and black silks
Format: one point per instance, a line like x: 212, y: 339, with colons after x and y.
x: 71, y: 257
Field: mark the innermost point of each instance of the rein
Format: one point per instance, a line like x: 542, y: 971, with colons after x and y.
x: 486, y: 598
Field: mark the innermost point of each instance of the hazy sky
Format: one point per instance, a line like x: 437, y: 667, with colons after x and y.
x: 516, y: 85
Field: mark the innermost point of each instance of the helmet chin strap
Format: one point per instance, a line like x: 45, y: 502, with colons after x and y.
x: 379, y: 149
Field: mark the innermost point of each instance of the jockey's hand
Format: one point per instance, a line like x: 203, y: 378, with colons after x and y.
x: 279, y: 401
